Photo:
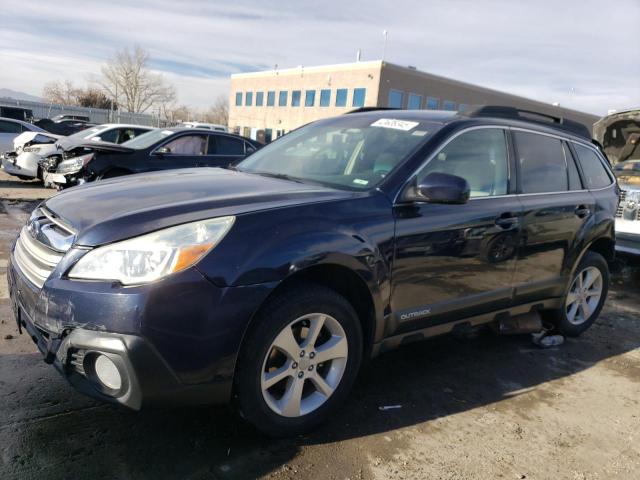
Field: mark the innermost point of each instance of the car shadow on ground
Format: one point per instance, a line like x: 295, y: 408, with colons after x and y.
x: 428, y: 380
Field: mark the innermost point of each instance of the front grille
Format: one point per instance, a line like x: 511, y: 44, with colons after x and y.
x: 623, y: 197
x: 35, y: 258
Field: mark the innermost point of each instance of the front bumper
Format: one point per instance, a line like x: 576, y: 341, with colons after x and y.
x: 173, y: 342
x: 628, y: 236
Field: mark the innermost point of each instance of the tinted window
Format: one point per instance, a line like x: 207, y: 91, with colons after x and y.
x: 309, y: 98
x: 396, y: 98
x: 574, y: 177
x: 228, y: 145
x: 595, y: 173
x: 110, y: 136
x: 341, y: 97
x: 542, y: 164
x: 432, y: 103
x: 478, y: 156
x: 238, y: 99
x: 415, y: 101
x: 359, y: 95
x: 10, y: 127
x: 282, y: 100
x: 325, y: 98
x: 248, y: 99
x: 295, y: 98
x: 271, y: 99
x: 187, y: 145
x: 259, y: 99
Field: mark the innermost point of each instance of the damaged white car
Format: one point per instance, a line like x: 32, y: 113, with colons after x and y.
x: 28, y: 147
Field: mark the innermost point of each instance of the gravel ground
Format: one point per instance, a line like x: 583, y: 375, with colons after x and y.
x: 480, y: 407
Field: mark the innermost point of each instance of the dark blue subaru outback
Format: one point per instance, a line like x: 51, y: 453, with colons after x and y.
x: 270, y: 283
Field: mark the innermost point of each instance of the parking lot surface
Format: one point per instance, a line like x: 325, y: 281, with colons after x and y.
x: 475, y: 407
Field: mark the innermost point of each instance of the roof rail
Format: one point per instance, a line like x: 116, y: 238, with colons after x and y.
x: 370, y: 109
x: 514, y: 113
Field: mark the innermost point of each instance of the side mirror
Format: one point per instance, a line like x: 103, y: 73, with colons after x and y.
x: 162, y: 150
x: 440, y: 188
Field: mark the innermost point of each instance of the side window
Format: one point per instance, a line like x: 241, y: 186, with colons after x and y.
x: 542, y: 163
x: 595, y: 173
x: 139, y: 131
x: 110, y: 136
x: 187, y: 145
x: 228, y: 145
x: 480, y: 157
x: 574, y: 177
x: 10, y: 127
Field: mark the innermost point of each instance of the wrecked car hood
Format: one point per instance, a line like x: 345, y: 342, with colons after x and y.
x: 112, y: 210
x: 68, y: 146
x: 33, y: 138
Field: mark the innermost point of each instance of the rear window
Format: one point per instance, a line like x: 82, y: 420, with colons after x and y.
x: 595, y: 173
x: 543, y: 167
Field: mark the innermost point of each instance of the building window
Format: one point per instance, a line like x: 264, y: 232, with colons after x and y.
x: 325, y: 97
x: 449, y: 105
x: 341, y: 97
x: 268, y: 135
x: 271, y: 99
x: 248, y: 99
x: 283, y: 98
x: 396, y: 98
x: 359, y: 95
x: 309, y: 98
x: 238, y: 99
x: 295, y: 98
x: 415, y: 101
x: 259, y: 99
x: 433, y: 103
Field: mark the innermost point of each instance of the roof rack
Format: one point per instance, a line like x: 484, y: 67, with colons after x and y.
x: 514, y: 113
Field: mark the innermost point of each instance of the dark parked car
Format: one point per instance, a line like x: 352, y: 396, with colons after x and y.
x: 63, y: 127
x: 272, y: 282
x: 157, y: 150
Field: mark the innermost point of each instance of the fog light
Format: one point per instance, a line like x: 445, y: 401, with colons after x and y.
x: 107, y: 372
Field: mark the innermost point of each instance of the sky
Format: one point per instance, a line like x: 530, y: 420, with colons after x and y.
x: 580, y: 53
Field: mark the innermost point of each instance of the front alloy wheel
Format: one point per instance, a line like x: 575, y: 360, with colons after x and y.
x: 299, y: 361
x: 304, y: 365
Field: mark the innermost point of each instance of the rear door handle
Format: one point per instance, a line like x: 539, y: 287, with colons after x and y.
x: 582, y: 211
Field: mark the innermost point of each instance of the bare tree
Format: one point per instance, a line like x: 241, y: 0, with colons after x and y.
x: 61, y: 92
x: 219, y: 111
x: 94, y: 97
x: 127, y: 79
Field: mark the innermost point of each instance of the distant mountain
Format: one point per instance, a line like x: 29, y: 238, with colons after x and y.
x: 7, y: 92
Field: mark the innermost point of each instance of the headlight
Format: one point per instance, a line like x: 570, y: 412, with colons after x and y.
x: 74, y: 164
x: 150, y: 257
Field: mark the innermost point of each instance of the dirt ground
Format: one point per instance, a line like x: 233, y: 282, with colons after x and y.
x: 480, y: 407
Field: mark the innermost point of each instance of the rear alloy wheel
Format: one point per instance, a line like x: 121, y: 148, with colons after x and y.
x: 585, y: 297
x: 299, y: 362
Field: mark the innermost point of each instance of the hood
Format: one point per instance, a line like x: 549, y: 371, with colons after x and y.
x: 619, y: 135
x: 33, y: 137
x: 112, y: 210
x: 68, y: 145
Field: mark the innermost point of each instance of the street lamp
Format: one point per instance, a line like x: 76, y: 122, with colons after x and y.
x: 384, y: 48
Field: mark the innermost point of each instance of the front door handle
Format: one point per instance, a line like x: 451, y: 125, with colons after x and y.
x: 507, y: 221
x: 582, y: 211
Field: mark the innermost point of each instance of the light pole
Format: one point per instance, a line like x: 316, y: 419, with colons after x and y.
x: 385, y: 34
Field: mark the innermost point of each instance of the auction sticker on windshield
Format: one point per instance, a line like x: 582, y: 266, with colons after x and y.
x: 395, y: 124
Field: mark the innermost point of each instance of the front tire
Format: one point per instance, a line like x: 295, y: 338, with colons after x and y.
x: 585, y: 296
x: 300, y: 361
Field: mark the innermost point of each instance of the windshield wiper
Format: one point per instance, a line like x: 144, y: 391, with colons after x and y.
x: 281, y: 176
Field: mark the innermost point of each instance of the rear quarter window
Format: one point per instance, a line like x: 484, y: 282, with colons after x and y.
x: 595, y: 173
x: 542, y: 164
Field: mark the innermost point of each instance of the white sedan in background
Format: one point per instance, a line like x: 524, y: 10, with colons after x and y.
x: 28, y: 151
x: 11, y: 128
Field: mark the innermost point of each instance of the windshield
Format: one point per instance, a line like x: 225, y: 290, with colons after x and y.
x: 147, y: 139
x: 351, y: 151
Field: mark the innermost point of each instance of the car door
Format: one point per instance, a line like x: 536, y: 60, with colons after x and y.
x: 556, y: 210
x: 223, y: 150
x: 181, y: 151
x: 8, y: 131
x: 453, y: 261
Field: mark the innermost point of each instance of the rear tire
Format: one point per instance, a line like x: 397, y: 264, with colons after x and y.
x: 585, y: 297
x: 299, y: 362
